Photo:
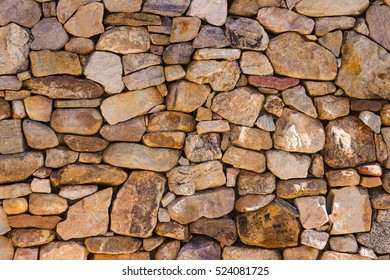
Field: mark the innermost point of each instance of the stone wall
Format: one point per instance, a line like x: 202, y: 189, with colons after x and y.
x: 194, y: 129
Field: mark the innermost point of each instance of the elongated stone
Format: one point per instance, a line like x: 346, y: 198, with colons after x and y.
x: 173, y: 230
x: 30, y: 221
x: 24, y: 12
x: 244, y: 159
x: 290, y: 189
x: 249, y: 253
x: 255, y: 183
x: 171, y: 121
x: 46, y: 204
x: 331, y: 8
x: 170, y: 8
x: 113, y: 245
x: 223, y: 229
x: 63, y: 251
x: 287, y: 165
x: 31, y: 237
x: 132, y: 19
x: 46, y: 63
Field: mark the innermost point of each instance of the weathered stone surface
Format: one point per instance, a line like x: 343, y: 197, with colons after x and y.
x: 127, y: 131
x: 49, y: 35
x: 83, y: 121
x: 368, y: 80
x: 244, y: 8
x: 106, y: 69
x: 348, y: 143
x: 11, y: 137
x: 133, y: 256
x: 64, y: 87
x: 178, y: 53
x: 26, y: 254
x: 18, y: 109
x: 174, y: 73
x: 330, y: 255
x: 249, y: 253
x: 81, y: 46
x: 123, y: 5
x: 300, y: 253
x: 255, y: 63
x: 255, y: 183
x: 221, y: 75
x: 372, y: 120
x: 344, y: 243
x: 38, y: 108
x: 385, y: 114
x: 315, y: 239
x: 31, y: 237
x: 279, y: 20
x: 265, y: 122
x: 331, y: 8
x: 332, y: 41
x: 287, y: 165
x: 377, y: 238
x: 209, y: 204
x: 4, y: 223
x: 328, y: 24
x: 269, y: 227
x: 186, y: 96
x: 214, y: 12
x: 173, y: 140
x: 350, y: 210
x: 246, y: 34
x: 124, y: 40
x: 210, y: 37
x: 23, y: 12
x: 296, y: 98
x: 149, y: 77
x: 185, y: 180
x: 312, y: 211
x: 152, y: 243
x: 77, y: 191
x: 223, y: 229
x: 168, y: 250
x: 244, y: 159
x: 47, y: 204
x: 45, y: 63
x: 208, y: 53
x: 23, y: 165
x: 5, y: 109
x: 297, y: 132
x: 219, y: 126
x: 39, y: 136
x: 331, y: 107
x: 134, y: 211
x: 66, y: 8
x: 122, y: 107
x: 205, y: 147
x: 170, y: 8
x: 290, y: 189
x: 250, y: 138
x: 371, y: 169
x: 274, y: 105
x: 132, y: 19
x: 279, y: 83
x: 6, y: 249
x: 380, y: 199
x: 171, y: 121
x: 41, y: 185
x: 10, y: 83
x: 87, y: 21
x: 63, y: 251
x: 134, y: 62
x: 113, y: 245
x: 14, y: 190
x: 14, y: 47
x: 200, y: 248
x: 313, y: 62
x: 85, y: 143
x: 378, y: 20
x: 253, y: 202
x: 240, y: 106
x: 30, y: 221
x: 88, y: 217
x: 184, y: 29
x: 173, y: 230
x: 59, y: 157
x: 342, y: 178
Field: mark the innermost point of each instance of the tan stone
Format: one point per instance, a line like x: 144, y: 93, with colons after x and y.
x: 29, y: 221
x: 127, y: 131
x: 300, y: 253
x: 244, y: 159
x: 209, y: 204
x: 313, y: 62
x: 296, y: 98
x: 209, y: 53
x: 26, y: 254
x: 174, y: 73
x: 15, y: 206
x: 218, y: 126
x: 274, y: 105
x: 47, y: 204
x: 249, y: 253
x: 200, y: 248
x: 344, y: 243
x: 18, y: 110
x: 253, y: 202
x: 370, y: 182
x: 371, y: 169
x: 134, y: 211
x: 170, y: 8
x: 41, y: 185
x: 184, y: 29
x: 332, y: 41
x: 173, y: 230
x: 265, y: 122
x: 372, y: 120
x: 38, y: 108
x: 87, y: 21
x: 331, y: 107
x: 223, y: 229
x: 315, y: 239
x: 210, y: 37
x: 205, y: 147
x: 31, y: 237
x: 325, y: 25
x: 5, y: 109
x: 45, y: 63
x: 379, y: 199
x: 113, y: 245
x: 214, y: 12
x: 14, y: 190
x: 85, y: 143
x: 81, y: 46
x: 250, y: 138
x: 342, y: 178
x: 6, y: 249
x: 330, y: 255
x: 63, y: 251
x: 133, y: 256
x: 168, y: 250
x: 9, y: 83
x: 59, y: 157
x: 4, y: 223
x: 255, y: 183
x: 290, y: 189
x: 174, y: 140
x: 49, y: 34
x: 39, y: 136
x: 66, y: 8
x: 312, y: 211
x: 179, y: 53
x: 151, y: 243
x: 123, y: 5
x: 11, y: 137
x: 287, y: 165
x: 171, y: 121
x: 332, y: 7
x: 133, y: 19
x: 244, y: 7
x: 77, y: 191
x: 350, y: 210
x: 149, y: 77
x: 255, y: 63
x: 23, y: 12
x: 378, y: 21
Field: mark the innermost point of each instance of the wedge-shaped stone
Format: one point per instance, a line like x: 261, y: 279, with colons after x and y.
x: 185, y: 180
x: 77, y: 191
x: 122, y: 107
x: 170, y: 8
x: 66, y: 8
x: 186, y: 96
x: 88, y: 217
x: 63, y: 251
x: 59, y: 157
x: 296, y: 98
x: 290, y: 189
x: 249, y: 253
x: 11, y: 137
x: 327, y: 24
x: 205, y: 147
x: 270, y: 227
x: 255, y: 183
x: 138, y: 61
x: 323, y: 8
x: 253, y: 202
x: 380, y: 199
x: 210, y: 37
x: 314, y: 239
x: 31, y: 237
x: 134, y: 211
x: 46, y: 63
x: 245, y: 159
x: 23, y: 165
x: 78, y: 174
x: 30, y: 221
x: 136, y: 156
x: 46, y: 204
x: 223, y: 229
x: 113, y: 245
x: 209, y: 204
x: 287, y: 165
x: 255, y: 63
x: 171, y: 121
x: 240, y: 106
x: 127, y: 131
x: 173, y: 230
x: 312, y: 211
x: 226, y: 54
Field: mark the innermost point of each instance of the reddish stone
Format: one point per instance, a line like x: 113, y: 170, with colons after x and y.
x: 272, y: 82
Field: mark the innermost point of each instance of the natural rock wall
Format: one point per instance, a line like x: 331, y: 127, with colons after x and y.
x: 194, y: 129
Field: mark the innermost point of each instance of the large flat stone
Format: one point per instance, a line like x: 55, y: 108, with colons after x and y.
x: 170, y: 8
x: 289, y: 189
x: 287, y: 165
x: 127, y: 131
x: 113, y: 245
x: 46, y: 63
x: 244, y: 159
x: 323, y: 8
x: 63, y: 251
x: 223, y: 229
x: 23, y: 12
x: 31, y: 237
x: 11, y: 137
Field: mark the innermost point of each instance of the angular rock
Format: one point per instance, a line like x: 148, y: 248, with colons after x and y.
x: 300, y: 253
x: 350, y: 210
x: 344, y: 243
x: 279, y: 83
x: 31, y: 237
x: 200, y: 248
x: 249, y: 253
x: 49, y: 35
x: 173, y: 140
x: 77, y: 191
x: 106, y: 69
x: 6, y: 249
x: 18, y: 109
x: 63, y: 251
x: 132, y: 19
x: 88, y: 217
x: 23, y: 12
x: 325, y: 25
x: 115, y: 6
x: 5, y: 109
x: 219, y: 126
x: 11, y: 137
x: 59, y: 157
x: 184, y: 29
x: 255, y: 183
x: 134, y: 211
x: 313, y: 62
x: 178, y: 53
x: 168, y: 251
x: 331, y: 107
x: 81, y: 46
x: 314, y: 239
x: 173, y: 230
x: 64, y: 87
x: 378, y: 20
x: 250, y: 138
x: 174, y: 73
x: 255, y: 63
x: 221, y: 75
x: 240, y: 106
x: 296, y: 98
x: 133, y: 256
x: 113, y: 245
x: 269, y: 227
x: 23, y: 165
x: 205, y: 147
x: 185, y: 180
x: 214, y: 12
x: 312, y: 211
x: 87, y: 21
x: 342, y: 178
x: 287, y: 165
x: 149, y: 77
x: 14, y: 190
x: 39, y: 136
x: 301, y: 187
x: 127, y: 131
x: 209, y: 204
x: 330, y: 255
x: 244, y: 159
x: 171, y: 121
x: 367, y: 80
x: 124, y: 40
x: 379, y: 199
x: 253, y: 202
x: 210, y: 37
x: 376, y: 239
x: 244, y: 7
x: 134, y: 62
x: 246, y: 34
x: 47, y: 204
x: 370, y: 169
x: 85, y: 143
x: 265, y: 122
x: 122, y: 107
x: 46, y: 63
x: 66, y: 8
x: 223, y: 229
x: 4, y: 223
x: 38, y: 108
x: 372, y: 120
x: 29, y: 221
x: 83, y: 121
x: 324, y: 8
x: 279, y: 20
x: 297, y: 132
x: 332, y: 41
x: 14, y: 46
x: 348, y: 143
x: 151, y: 243
x: 169, y: 8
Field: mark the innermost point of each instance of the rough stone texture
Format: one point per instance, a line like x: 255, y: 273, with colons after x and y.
x: 134, y: 62
x: 253, y: 202
x: 200, y: 248
x: 327, y: 24
x: 255, y: 183
x: 378, y: 22
x: 205, y: 147
x: 171, y: 121
x: 296, y: 98
x: 170, y: 8
x: 331, y: 8
x: 244, y: 159
x: 127, y: 131
x: 331, y: 107
x: 179, y: 53
x: 250, y: 138
x: 23, y: 12
x: 287, y: 165
x: 314, y: 239
x: 312, y: 211
x: 45, y: 63
x: 38, y: 108
x: 132, y: 19
x: 11, y: 137
x: 46, y: 204
x: 77, y: 191
x: 330, y: 255
x: 213, y: 12
x: 344, y: 243
x: 87, y: 21
x: 59, y: 157
x: 83, y: 121
x: 290, y: 189
x: 113, y: 245
x: 173, y: 230
x: 39, y: 136
x: 223, y: 229
x: 376, y: 239
x: 49, y: 34
x: 300, y: 253
x: 81, y: 46
x: 184, y: 29
x: 210, y: 37
x: 6, y: 249
x: 149, y: 77
x: 31, y: 237
x: 249, y: 253
x: 63, y: 251
x: 342, y: 178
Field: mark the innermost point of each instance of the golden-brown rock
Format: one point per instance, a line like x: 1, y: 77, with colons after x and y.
x: 127, y: 131
x: 171, y: 121
x: 184, y: 29
x: 223, y: 229
x: 255, y: 183
x: 46, y: 63
x: 173, y: 230
x: 289, y: 189
x: 30, y: 221
x: 113, y: 245
x: 31, y: 237
x: 244, y: 159
x: 205, y: 147
x: 6, y: 249
x: 11, y: 137
x: 38, y: 108
x: 85, y: 143
x: 47, y: 204
x: 87, y: 21
x: 63, y: 251
x: 249, y: 253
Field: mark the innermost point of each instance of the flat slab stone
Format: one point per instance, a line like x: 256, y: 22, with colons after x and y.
x: 139, y: 61
x: 46, y: 204
x: 63, y: 251
x: 31, y: 221
x: 186, y: 96
x: 331, y: 255
x: 46, y: 63
x: 200, y: 248
x: 249, y: 253
x: 378, y: 21
x: 170, y: 8
x: 23, y: 12
x: 145, y: 78
x: 294, y: 188
x: 132, y: 19
x: 255, y: 183
x: 11, y: 137
x: 173, y: 230
x: 253, y: 202
x: 300, y: 253
x: 115, y: 6
x: 287, y: 165
x: 279, y: 83
x: 31, y: 237
x: 113, y: 245
x: 14, y: 190
x: 223, y: 229
x: 244, y: 159
x: 171, y: 121
x: 324, y: 8
x: 127, y: 131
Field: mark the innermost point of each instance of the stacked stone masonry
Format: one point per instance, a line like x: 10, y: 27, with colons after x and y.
x: 194, y: 129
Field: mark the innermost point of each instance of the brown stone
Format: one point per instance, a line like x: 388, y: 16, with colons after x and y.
x: 145, y: 78
x: 344, y: 243
x: 23, y: 12
x: 269, y: 227
x: 279, y: 83
x: 64, y: 87
x: 320, y: 66
x: 370, y: 182
x: 214, y: 12
x: 209, y: 53
x: 348, y: 143
x: 249, y: 253
x: 274, y: 105
x: 85, y: 143
x: 59, y: 157
x: 244, y: 8
x: 205, y: 147
x: 15, y: 206
x: 209, y: 204
x: 222, y: 230
x: 31, y: 237
x: 9, y: 83
x: 38, y: 108
x: 300, y: 253
x: 173, y: 230
x: 255, y: 183
x: 312, y: 211
x: 113, y: 245
x: 379, y: 199
x: 317, y: 168
x: 240, y: 106
x: 253, y: 202
x: 6, y: 249
x: 331, y: 107
x: 178, y: 53
x: 168, y: 250
x: 296, y: 98
x: 185, y: 180
x: 63, y: 251
x: 137, y: 156
x: 49, y: 34
x: 250, y: 138
x: 132, y: 19
x: 135, y: 62
x: 350, y: 210
x: 330, y: 255
x: 332, y: 41
x: 5, y: 109
x: 314, y: 239
x: 123, y: 5
x: 29, y: 221
x: 385, y: 114
x: 366, y: 105
x: 151, y: 243
x: 244, y: 159
x: 210, y: 37
x: 14, y: 190
x: 287, y: 165
x: 255, y: 63
x: 45, y: 63
x: 380, y: 148
x: 47, y: 204
x: 171, y: 121
x: 186, y: 96
x: 328, y: 24
x: 66, y: 8
x: 342, y: 178
x: 184, y: 29
x: 26, y: 254
x: 290, y: 189
x: 219, y: 126
x: 11, y: 137
x: 39, y: 136
x: 170, y: 8
x: 200, y: 248
x: 386, y: 181
x: 77, y: 191
x: 134, y: 211
x: 133, y: 256
x: 23, y: 165
x: 174, y: 140
x: 4, y: 223
x: 174, y: 73
x: 127, y: 131
x: 378, y: 21
x: 331, y: 8
x: 81, y: 46
x: 87, y: 21
x: 319, y: 88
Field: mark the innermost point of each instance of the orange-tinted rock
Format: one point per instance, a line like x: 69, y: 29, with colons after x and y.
x: 63, y: 251
x: 47, y: 204
x: 245, y: 159
x: 85, y: 143
x: 127, y: 131
x: 300, y: 253
x: 87, y: 21
x: 222, y: 230
x: 132, y: 19
x: 290, y: 189
x: 173, y: 140
x: 38, y: 108
x: 31, y: 237
x: 200, y: 248
x: 168, y: 250
x: 171, y: 121
x: 279, y: 83
x: 186, y: 96
x: 184, y: 29
x: 6, y: 249
x: 151, y: 243
x: 249, y: 253
x: 45, y: 63
x: 173, y: 230
x: 30, y: 221
x: 133, y: 256
x: 255, y: 183
x: 15, y: 206
x: 15, y: 190
x: 113, y: 245
x: 331, y: 255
